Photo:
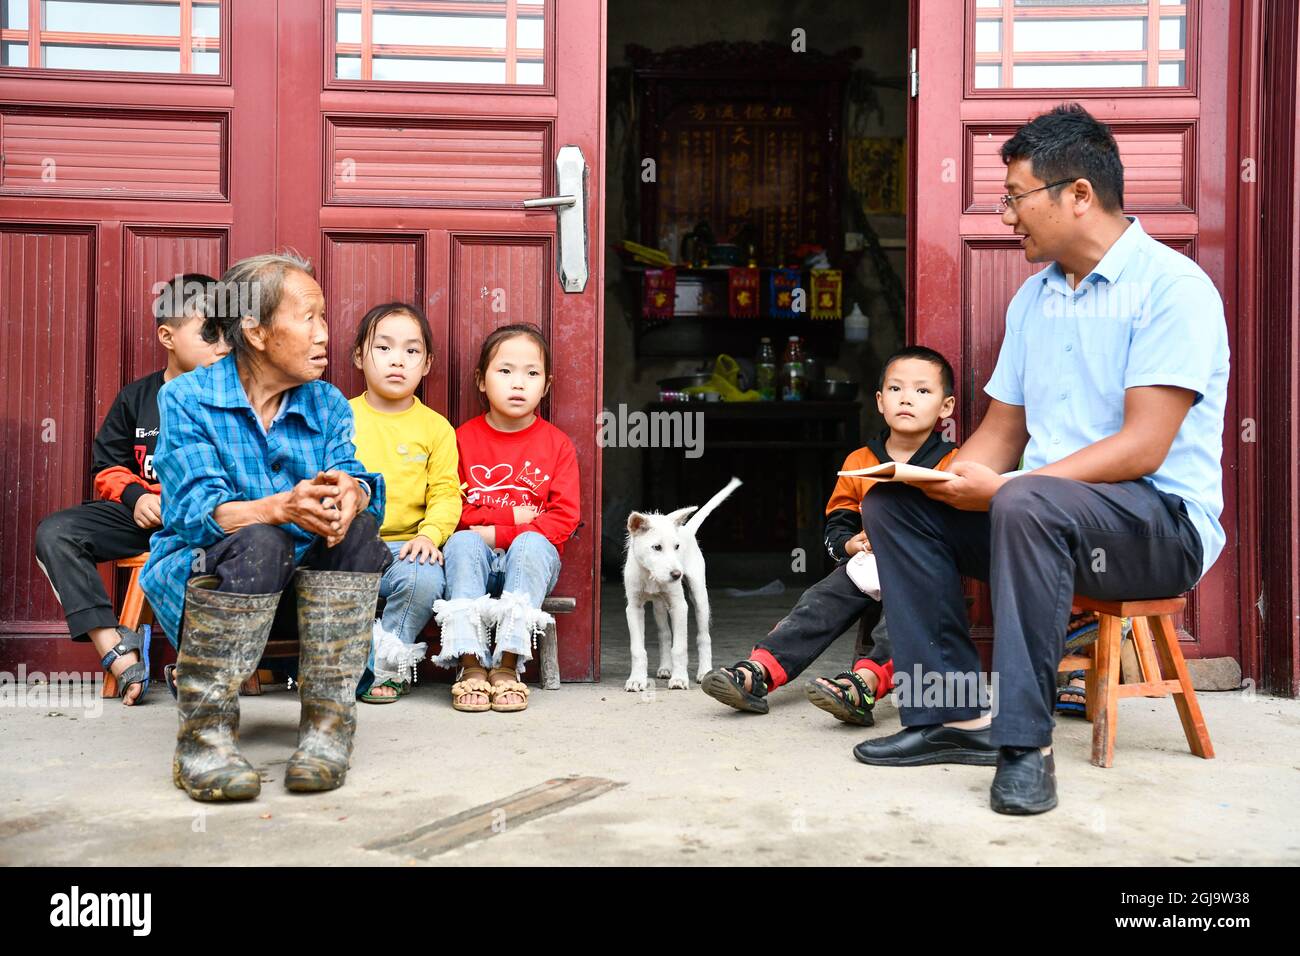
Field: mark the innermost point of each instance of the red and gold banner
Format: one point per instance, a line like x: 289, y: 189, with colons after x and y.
x: 827, y: 293
x: 742, y: 293
x: 659, y: 293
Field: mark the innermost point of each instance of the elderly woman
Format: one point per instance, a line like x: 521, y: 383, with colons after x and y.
x: 261, y: 487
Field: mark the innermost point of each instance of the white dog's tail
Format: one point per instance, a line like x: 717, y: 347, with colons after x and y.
x: 697, y: 519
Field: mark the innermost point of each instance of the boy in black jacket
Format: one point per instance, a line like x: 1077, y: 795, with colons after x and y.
x: 916, y: 391
x: 126, y: 508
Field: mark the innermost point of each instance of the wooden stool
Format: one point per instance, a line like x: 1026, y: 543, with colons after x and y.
x: 1101, y: 668
x: 133, y: 605
x: 133, y: 608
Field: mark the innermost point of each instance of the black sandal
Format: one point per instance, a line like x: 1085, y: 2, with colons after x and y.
x: 137, y: 673
x: 726, y: 685
x: 836, y: 701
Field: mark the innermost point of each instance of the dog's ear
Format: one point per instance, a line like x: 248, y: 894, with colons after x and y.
x: 681, y: 514
x: 637, y: 522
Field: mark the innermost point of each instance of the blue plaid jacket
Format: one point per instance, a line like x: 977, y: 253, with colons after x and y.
x: 212, y: 449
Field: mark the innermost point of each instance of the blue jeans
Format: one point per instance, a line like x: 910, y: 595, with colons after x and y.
x: 497, y: 594
x: 409, y: 589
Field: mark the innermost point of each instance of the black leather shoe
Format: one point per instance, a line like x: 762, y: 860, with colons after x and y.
x: 1025, y: 781
x: 918, y: 746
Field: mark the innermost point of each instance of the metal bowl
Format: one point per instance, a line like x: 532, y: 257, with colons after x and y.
x: 682, y: 382
x: 835, y: 390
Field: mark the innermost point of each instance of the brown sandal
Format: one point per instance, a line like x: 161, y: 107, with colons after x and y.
x: 508, y: 686
x: 471, y: 685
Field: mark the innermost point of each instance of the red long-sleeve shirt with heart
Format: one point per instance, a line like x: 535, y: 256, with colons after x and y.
x: 534, y: 466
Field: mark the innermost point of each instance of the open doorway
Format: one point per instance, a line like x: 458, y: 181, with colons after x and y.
x: 755, y: 189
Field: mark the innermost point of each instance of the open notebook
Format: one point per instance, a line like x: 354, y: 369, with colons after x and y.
x: 900, y: 471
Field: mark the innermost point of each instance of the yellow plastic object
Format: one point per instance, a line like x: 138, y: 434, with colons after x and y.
x: 726, y: 382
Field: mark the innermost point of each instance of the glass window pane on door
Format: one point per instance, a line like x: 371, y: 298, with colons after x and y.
x: 493, y: 42
x: 158, y: 36
x: 1064, y: 44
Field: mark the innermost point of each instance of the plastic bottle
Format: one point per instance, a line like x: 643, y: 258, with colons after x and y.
x: 765, y: 370
x: 856, y: 325
x: 794, y: 382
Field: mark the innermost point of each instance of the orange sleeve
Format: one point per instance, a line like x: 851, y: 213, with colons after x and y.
x: 946, y: 460
x: 848, y: 491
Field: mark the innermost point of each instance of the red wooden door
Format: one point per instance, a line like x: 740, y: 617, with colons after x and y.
x: 1159, y: 74
x: 128, y: 157
x: 393, y: 142
x: 409, y: 136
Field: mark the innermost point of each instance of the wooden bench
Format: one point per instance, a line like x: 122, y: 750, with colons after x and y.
x: 549, y: 656
x: 1101, y: 671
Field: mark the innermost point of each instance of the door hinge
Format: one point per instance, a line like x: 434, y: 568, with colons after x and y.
x: 913, y: 74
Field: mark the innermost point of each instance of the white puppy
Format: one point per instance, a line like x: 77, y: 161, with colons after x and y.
x: 661, y: 551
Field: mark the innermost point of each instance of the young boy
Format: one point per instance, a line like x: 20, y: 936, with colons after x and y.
x: 916, y: 391
x: 126, y: 508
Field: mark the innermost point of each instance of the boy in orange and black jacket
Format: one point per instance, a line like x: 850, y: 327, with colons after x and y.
x: 916, y: 391
x: 126, y: 508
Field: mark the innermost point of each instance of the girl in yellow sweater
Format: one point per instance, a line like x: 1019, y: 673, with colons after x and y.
x: 414, y: 448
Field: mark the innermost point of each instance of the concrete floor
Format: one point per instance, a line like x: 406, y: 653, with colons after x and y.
x: 697, y: 782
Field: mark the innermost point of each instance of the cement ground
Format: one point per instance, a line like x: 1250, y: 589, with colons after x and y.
x: 697, y: 783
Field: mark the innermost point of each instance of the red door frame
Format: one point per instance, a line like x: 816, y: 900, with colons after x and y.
x: 1269, y: 292
x: 942, y: 219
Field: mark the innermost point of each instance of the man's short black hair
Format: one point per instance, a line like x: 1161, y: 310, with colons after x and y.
x: 925, y: 355
x: 183, y: 297
x: 1068, y: 143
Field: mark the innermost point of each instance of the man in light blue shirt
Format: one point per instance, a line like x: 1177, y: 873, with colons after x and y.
x: 1111, y: 383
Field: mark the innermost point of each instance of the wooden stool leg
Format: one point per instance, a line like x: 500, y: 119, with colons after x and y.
x: 110, y: 685
x: 251, y: 687
x: 1090, y: 693
x: 550, y: 659
x: 1189, y: 711
x: 1146, y: 652
x: 133, y: 603
x: 1106, y: 666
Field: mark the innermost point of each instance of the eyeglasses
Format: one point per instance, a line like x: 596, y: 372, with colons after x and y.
x: 1008, y: 200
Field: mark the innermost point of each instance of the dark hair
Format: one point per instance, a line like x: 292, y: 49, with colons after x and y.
x: 185, y: 296
x: 925, y: 355
x: 370, y: 322
x: 251, y: 287
x: 499, y: 335
x: 1068, y: 143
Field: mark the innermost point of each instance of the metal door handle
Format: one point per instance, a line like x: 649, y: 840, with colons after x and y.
x: 571, y: 213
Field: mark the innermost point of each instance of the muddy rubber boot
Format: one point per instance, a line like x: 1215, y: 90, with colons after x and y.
x: 336, y: 614
x: 224, y: 636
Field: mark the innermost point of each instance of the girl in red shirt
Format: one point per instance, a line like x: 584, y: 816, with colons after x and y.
x: 520, y: 482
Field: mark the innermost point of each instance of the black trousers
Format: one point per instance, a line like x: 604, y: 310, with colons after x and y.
x: 1042, y: 540
x: 822, y: 613
x: 69, y: 545
x: 259, y: 559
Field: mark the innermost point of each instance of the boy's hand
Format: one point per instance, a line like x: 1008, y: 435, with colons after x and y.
x: 857, y: 543
x: 488, y: 532
x: 420, y: 549
x: 148, y: 511
x: 972, y: 489
x: 525, y: 514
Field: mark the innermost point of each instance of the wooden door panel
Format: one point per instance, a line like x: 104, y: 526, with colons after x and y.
x: 156, y: 254
x: 359, y: 272
x: 47, y: 313
x: 494, y: 280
